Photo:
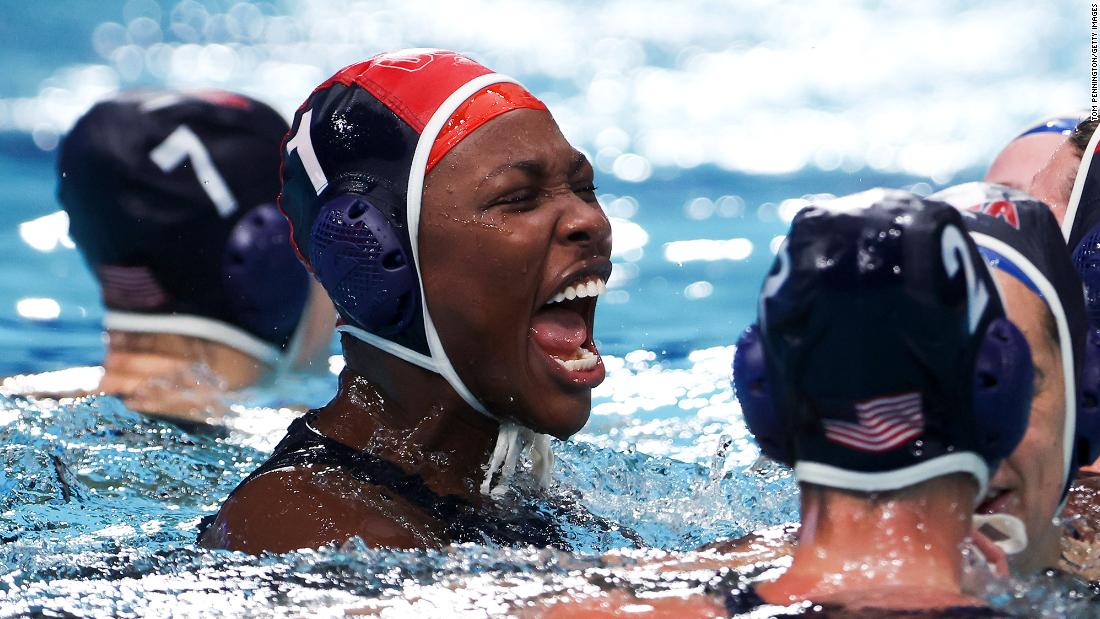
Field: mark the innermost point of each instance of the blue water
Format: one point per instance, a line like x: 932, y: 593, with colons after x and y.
x: 98, y: 505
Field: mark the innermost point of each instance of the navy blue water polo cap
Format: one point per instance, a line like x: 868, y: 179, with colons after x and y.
x: 1062, y: 125
x: 171, y: 200
x: 882, y: 356
x: 1017, y: 234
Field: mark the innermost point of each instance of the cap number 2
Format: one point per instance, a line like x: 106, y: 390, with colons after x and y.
x: 954, y: 251
x: 184, y: 144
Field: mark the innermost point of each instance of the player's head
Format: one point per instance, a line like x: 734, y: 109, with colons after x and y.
x: 882, y: 357
x: 1022, y: 244
x: 1017, y: 163
x: 454, y: 228
x: 171, y: 200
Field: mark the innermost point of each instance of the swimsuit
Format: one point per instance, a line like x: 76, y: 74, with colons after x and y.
x: 464, y: 522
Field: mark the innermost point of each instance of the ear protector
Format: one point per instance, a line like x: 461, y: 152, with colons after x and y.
x: 1086, y: 260
x: 266, y: 287
x: 1000, y: 397
x: 1088, y: 401
x: 358, y: 257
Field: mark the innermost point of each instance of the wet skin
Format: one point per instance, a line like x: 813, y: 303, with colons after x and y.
x: 1053, y: 183
x: 509, y: 218
x: 1028, y: 484
x: 506, y: 233
x: 1018, y: 162
x: 898, y: 550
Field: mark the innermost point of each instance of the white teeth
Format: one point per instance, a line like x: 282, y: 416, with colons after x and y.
x: 586, y: 360
x: 591, y: 288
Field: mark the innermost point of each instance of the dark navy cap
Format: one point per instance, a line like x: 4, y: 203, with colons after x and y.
x: 1018, y: 234
x: 876, y: 319
x: 171, y: 200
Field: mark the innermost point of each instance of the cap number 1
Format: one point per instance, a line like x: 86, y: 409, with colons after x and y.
x: 304, y: 145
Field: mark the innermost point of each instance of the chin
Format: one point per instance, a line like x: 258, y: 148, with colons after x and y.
x: 561, y: 422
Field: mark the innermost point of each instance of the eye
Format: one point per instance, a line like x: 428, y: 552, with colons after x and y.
x: 585, y: 191
x: 516, y: 201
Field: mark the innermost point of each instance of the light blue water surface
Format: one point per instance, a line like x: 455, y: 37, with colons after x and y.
x: 98, y: 504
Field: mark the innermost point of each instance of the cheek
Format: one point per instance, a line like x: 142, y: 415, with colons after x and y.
x: 481, y: 290
x: 1040, y: 454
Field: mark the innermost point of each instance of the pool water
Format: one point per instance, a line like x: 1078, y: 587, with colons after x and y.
x: 99, y: 505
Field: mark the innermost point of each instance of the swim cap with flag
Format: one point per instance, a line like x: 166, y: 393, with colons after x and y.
x: 354, y: 164
x: 882, y: 356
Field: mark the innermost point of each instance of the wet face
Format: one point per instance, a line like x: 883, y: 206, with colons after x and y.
x: 1017, y: 164
x: 1028, y: 484
x: 514, y: 251
x: 1054, y: 182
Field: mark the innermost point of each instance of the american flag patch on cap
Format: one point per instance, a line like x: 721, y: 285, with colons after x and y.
x: 130, y: 287
x: 884, y: 423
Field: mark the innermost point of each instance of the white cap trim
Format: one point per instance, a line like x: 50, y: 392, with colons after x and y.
x: 1079, y: 186
x: 412, y: 211
x: 835, y: 477
x: 1065, y: 341
x: 194, y: 326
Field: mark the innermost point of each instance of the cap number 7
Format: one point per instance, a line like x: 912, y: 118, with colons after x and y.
x: 184, y: 144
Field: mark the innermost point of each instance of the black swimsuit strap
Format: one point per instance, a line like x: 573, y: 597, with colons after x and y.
x: 303, y: 445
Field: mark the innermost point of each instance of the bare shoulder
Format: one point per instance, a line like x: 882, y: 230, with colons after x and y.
x: 307, y: 507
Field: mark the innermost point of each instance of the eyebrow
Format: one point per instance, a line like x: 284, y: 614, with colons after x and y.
x: 529, y: 166
x: 532, y: 166
x: 579, y: 161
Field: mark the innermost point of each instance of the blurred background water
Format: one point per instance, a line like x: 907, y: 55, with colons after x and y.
x: 710, y: 124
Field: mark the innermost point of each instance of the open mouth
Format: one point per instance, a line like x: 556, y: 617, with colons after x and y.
x: 562, y: 328
x: 996, y: 501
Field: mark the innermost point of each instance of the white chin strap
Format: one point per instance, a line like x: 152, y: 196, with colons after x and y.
x: 512, y: 440
x: 1010, y: 527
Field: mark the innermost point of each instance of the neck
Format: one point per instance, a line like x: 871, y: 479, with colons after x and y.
x: 897, y: 551
x: 174, y: 375
x: 424, y: 426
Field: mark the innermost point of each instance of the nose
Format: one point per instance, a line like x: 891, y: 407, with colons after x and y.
x: 585, y: 225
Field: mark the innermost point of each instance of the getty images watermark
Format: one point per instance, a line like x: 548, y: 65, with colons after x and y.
x: 1092, y: 49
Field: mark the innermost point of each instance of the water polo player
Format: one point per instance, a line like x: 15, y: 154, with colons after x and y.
x: 1027, y: 153
x: 1020, y: 240
x: 458, y: 234
x: 884, y: 370
x: 171, y: 200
